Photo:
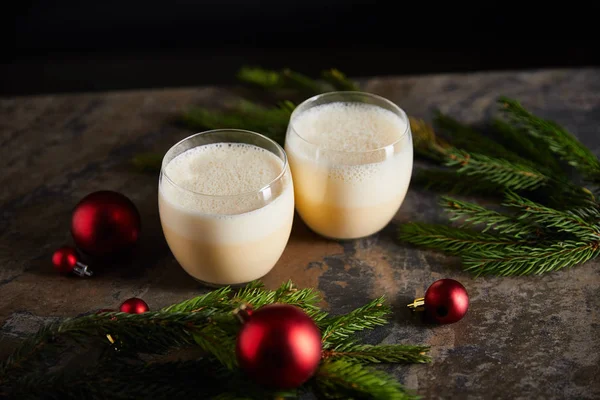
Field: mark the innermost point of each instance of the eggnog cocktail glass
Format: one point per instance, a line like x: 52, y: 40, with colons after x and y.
x: 351, y: 157
x: 226, y: 203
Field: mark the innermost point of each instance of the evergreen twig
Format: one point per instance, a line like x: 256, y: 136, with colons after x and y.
x: 206, y: 321
x: 548, y: 218
x: 531, y: 260
x: 390, y: 353
x: 270, y: 121
x: 340, y: 328
x: 448, y: 181
x: 557, y: 139
x: 528, y: 147
x: 473, y: 214
x: 496, y: 170
x: 453, y: 241
x: 339, y: 81
x: 342, y: 379
x: 284, y: 79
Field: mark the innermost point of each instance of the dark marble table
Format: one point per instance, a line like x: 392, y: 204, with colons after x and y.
x: 524, y: 337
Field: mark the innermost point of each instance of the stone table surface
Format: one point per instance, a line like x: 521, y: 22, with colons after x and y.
x: 523, y: 337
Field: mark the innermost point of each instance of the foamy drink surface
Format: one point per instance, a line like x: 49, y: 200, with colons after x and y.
x: 222, y: 169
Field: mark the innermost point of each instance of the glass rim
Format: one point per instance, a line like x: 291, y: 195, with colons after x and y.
x: 279, y: 176
x: 393, y: 105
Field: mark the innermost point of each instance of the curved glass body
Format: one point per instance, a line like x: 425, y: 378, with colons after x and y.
x: 227, y: 239
x: 347, y: 186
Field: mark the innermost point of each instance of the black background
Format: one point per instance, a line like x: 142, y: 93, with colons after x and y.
x: 69, y: 46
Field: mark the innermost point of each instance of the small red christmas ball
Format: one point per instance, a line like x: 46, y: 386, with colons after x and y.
x: 105, y: 223
x: 279, y: 346
x: 65, y: 259
x: 134, y: 305
x: 446, y: 301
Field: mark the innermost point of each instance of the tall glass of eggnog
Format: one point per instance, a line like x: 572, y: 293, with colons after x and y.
x: 351, y: 157
x: 226, y: 203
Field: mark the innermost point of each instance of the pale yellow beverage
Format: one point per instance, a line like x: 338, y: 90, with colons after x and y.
x: 226, y: 208
x: 351, y: 157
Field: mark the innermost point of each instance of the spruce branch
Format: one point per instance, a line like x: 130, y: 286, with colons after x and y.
x: 496, y: 170
x: 152, y: 332
x: 548, y: 218
x: 283, y: 79
x: 473, y: 214
x: 270, y: 121
x: 528, y: 147
x: 465, y: 137
x: 340, y: 328
x: 208, y: 322
x: 338, y: 80
x: 531, y: 260
x: 453, y: 241
x: 164, y: 380
x: 557, y: 139
x: 383, y: 353
x: 427, y: 144
x: 216, y: 299
x: 448, y: 181
x: 342, y: 379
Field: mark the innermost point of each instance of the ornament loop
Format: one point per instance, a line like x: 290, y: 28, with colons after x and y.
x: 82, y: 270
x: 418, y: 304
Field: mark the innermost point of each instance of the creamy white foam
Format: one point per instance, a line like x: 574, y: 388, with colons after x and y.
x: 352, y: 164
x: 349, y: 127
x: 222, y: 169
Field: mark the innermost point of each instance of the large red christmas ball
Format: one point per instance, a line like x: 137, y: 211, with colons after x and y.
x: 446, y: 301
x: 279, y: 346
x: 105, y: 223
x: 134, y: 305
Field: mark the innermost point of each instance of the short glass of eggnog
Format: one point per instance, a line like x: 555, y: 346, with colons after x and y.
x: 226, y: 203
x: 351, y: 157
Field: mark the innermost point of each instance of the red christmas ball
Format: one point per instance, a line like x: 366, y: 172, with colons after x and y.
x: 279, y: 346
x: 446, y: 301
x: 65, y: 259
x: 105, y: 223
x: 134, y: 305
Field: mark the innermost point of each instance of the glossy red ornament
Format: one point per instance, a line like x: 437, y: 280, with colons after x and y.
x: 65, y: 260
x: 279, y: 346
x: 134, y: 305
x: 105, y: 223
x: 446, y: 301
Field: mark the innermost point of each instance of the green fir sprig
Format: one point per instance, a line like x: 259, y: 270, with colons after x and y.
x: 206, y: 322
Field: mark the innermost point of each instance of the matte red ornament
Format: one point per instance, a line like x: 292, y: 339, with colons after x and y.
x: 105, y: 223
x: 446, y: 301
x: 279, y: 346
x: 134, y: 305
x: 66, y: 260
